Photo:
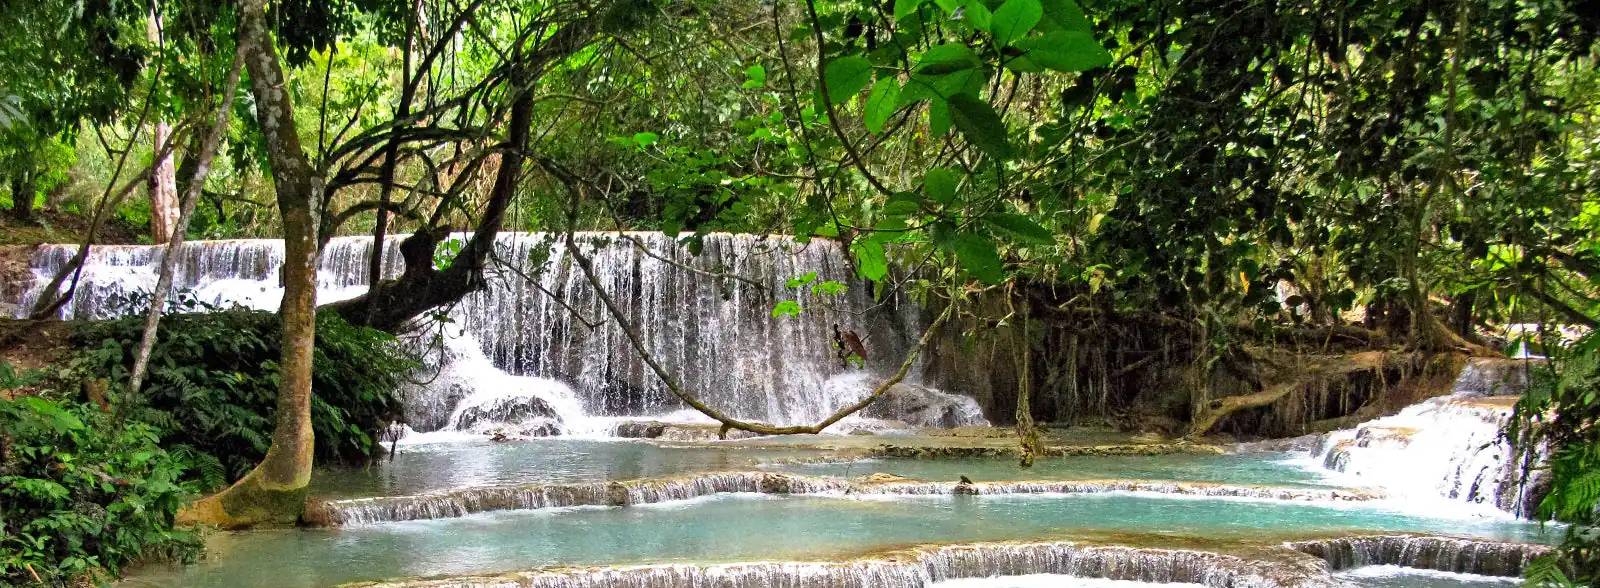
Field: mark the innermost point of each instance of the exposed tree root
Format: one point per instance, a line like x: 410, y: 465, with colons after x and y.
x: 1313, y: 369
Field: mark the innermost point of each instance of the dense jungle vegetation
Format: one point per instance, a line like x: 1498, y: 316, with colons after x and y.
x: 1259, y: 191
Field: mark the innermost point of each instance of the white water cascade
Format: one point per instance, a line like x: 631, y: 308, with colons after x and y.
x: 1448, y: 447
x: 536, y: 353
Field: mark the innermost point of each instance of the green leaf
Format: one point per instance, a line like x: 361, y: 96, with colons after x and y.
x: 1021, y: 228
x: 902, y: 204
x: 940, y: 185
x: 904, y: 9
x: 786, y: 308
x: 830, y: 288
x: 846, y: 77
x: 882, y: 103
x: 645, y: 139
x: 800, y: 280
x: 949, y: 6
x: 1013, y: 20
x: 755, y: 76
x: 980, y: 124
x: 978, y: 15
x: 1063, y: 15
x: 871, y: 262
x: 939, y: 117
x: 1066, y: 51
x: 946, y: 58
x: 978, y: 256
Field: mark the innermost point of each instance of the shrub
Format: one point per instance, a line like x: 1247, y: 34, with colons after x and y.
x: 213, y: 383
x: 81, y: 495
x: 1561, y: 410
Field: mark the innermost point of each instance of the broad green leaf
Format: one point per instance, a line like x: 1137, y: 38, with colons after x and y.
x: 980, y: 124
x: 938, y: 117
x: 978, y: 256
x: 645, y: 139
x: 1021, y: 228
x: 946, y: 58
x: 1066, y: 51
x: 949, y: 6
x: 904, y: 9
x: 882, y: 103
x: 940, y: 185
x: 1063, y: 15
x: 846, y: 77
x: 978, y: 15
x: 1013, y: 20
x: 871, y: 262
x: 902, y: 204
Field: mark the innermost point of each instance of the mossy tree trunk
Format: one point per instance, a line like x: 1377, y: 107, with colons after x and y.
x: 274, y: 492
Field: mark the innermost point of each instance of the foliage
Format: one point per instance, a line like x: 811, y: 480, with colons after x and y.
x: 83, y: 494
x: 1561, y: 411
x: 213, y: 384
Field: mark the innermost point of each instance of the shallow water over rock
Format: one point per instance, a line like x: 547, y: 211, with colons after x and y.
x: 745, y: 527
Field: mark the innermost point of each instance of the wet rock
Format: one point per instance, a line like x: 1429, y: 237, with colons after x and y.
x: 922, y: 406
x: 511, y: 409
x: 640, y: 429
x: 880, y: 478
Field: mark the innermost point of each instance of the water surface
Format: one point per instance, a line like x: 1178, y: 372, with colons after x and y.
x: 738, y: 527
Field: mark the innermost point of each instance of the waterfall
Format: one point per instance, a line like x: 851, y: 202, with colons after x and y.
x: 466, y: 501
x: 1451, y: 446
x: 922, y: 566
x: 1445, y: 554
x: 546, y: 349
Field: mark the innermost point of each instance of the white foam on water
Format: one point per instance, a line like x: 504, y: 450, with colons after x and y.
x: 1445, y: 456
x: 1051, y: 581
x: 1397, y: 572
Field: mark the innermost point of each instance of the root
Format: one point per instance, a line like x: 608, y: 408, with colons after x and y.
x: 1219, y: 409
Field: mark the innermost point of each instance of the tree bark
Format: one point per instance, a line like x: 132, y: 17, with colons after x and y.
x: 274, y: 492
x: 200, y: 168
x: 162, y: 186
x: 22, y: 188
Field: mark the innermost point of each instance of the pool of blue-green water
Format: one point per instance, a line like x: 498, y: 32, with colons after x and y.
x: 747, y: 527
x: 439, y: 466
x: 1268, y: 469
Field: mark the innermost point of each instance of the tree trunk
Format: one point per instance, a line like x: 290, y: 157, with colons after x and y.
x: 162, y: 186
x: 274, y: 492
x: 22, y: 196
x: 199, y: 166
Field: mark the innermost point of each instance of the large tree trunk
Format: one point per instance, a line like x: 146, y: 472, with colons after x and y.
x: 162, y: 186
x: 274, y: 492
x: 163, y: 189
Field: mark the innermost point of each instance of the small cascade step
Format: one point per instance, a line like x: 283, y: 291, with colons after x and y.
x: 466, y: 501
x: 919, y: 567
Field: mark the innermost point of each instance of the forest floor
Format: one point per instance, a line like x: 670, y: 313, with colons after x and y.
x: 50, y: 226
